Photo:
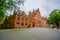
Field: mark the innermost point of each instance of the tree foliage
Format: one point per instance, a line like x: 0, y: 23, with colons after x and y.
x: 5, y: 5
x: 54, y: 17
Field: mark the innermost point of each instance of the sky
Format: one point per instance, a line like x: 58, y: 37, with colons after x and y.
x: 45, y: 6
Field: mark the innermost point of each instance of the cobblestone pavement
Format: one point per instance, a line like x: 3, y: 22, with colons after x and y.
x: 30, y: 34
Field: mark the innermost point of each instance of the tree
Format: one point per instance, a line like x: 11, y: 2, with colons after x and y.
x: 54, y: 17
x: 7, y: 5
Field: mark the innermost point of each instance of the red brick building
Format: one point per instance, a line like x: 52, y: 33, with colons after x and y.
x: 21, y: 20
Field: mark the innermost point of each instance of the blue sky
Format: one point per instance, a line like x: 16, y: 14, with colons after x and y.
x: 45, y: 6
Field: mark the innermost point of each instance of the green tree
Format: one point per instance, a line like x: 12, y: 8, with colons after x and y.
x: 8, y: 5
x: 5, y: 5
x: 54, y: 17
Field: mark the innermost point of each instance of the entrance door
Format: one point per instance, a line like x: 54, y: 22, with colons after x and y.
x: 28, y: 26
x: 33, y: 24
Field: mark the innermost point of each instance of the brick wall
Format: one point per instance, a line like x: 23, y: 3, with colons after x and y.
x: 33, y: 19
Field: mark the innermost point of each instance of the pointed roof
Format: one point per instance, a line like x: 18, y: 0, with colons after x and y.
x: 14, y: 12
x: 29, y: 12
x: 38, y: 12
x: 34, y: 11
x: 23, y: 13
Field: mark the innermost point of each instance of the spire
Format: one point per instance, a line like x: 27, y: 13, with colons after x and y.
x: 38, y: 12
x: 29, y: 12
x: 14, y: 12
x: 33, y: 10
x: 37, y: 9
x: 23, y: 13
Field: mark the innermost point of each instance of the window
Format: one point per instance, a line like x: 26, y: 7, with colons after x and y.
x: 26, y: 24
x: 22, y: 24
x: 18, y: 17
x: 17, y: 24
x: 22, y: 18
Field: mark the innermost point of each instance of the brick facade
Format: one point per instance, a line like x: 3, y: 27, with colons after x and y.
x: 21, y: 20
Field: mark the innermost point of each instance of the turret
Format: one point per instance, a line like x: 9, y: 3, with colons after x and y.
x: 23, y: 13
x: 38, y: 12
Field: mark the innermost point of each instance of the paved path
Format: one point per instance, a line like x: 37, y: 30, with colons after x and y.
x: 30, y: 34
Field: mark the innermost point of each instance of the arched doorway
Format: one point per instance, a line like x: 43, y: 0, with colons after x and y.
x: 28, y: 26
x: 33, y: 25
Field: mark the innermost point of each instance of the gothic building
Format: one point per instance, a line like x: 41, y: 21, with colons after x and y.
x: 21, y: 20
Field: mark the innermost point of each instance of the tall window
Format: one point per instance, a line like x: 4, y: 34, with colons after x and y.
x: 22, y: 24
x: 26, y: 24
x: 17, y: 24
x: 23, y: 20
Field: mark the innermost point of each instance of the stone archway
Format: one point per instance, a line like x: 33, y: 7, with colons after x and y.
x: 28, y: 26
x: 33, y: 24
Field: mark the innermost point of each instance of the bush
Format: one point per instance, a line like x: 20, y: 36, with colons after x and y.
x: 1, y: 26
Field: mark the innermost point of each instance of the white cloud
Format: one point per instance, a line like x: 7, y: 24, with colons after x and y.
x: 45, y: 6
